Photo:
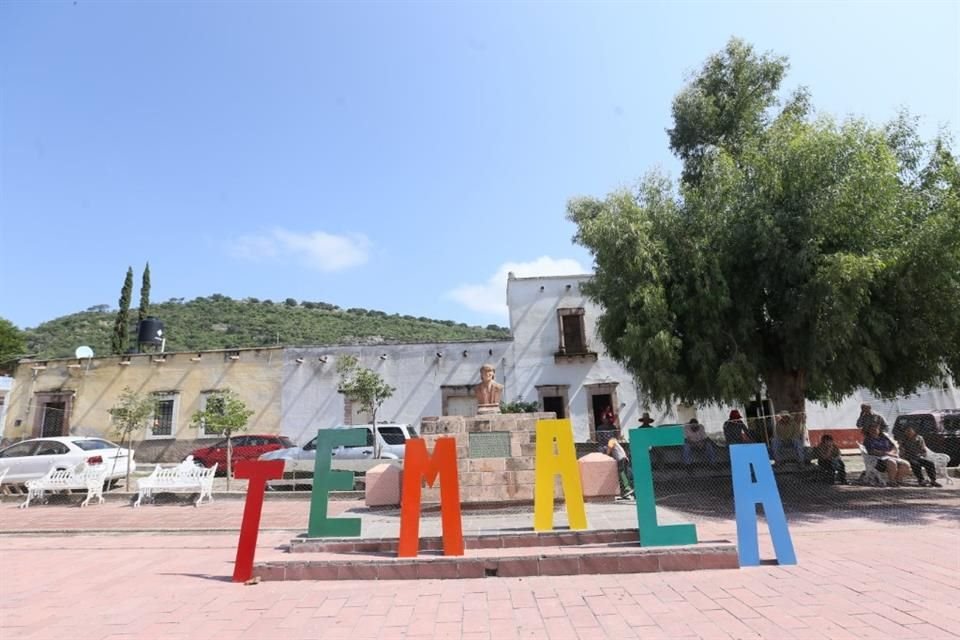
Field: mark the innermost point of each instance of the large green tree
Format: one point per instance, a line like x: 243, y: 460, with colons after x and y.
x: 121, y: 326
x: 13, y: 345
x: 798, y: 254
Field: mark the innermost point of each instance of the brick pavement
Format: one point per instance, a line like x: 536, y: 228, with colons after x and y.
x: 888, y: 570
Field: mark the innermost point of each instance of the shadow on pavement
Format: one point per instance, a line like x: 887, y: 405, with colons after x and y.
x: 205, y: 576
x: 809, y: 501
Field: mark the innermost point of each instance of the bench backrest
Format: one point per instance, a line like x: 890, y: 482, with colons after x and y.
x: 182, y: 473
x: 80, y: 475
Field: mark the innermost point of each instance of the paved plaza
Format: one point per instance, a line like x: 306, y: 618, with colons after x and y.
x: 872, y: 563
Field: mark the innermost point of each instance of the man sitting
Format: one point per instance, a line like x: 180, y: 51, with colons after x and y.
x: 880, y: 446
x: 829, y: 460
x: 914, y: 451
x: 695, y: 439
x: 790, y: 430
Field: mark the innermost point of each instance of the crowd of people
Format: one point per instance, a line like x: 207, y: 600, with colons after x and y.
x: 895, y: 458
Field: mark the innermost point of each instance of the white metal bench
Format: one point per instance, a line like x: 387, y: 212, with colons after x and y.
x: 82, y: 476
x: 870, y: 473
x: 940, y: 462
x: 186, y: 476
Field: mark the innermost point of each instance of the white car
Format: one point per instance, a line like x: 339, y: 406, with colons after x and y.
x: 393, y: 439
x: 32, y: 459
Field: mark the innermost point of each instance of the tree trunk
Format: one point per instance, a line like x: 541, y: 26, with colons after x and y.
x: 229, y: 459
x: 376, y: 438
x: 126, y: 481
x: 787, y: 391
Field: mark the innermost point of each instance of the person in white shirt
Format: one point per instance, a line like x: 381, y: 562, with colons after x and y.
x: 624, y: 471
x: 695, y: 439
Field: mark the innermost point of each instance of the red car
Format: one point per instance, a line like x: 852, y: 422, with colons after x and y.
x: 245, y: 447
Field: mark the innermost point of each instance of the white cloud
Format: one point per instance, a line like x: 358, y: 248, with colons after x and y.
x: 316, y: 250
x: 491, y: 296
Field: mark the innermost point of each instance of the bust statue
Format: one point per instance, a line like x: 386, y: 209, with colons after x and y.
x: 488, y: 392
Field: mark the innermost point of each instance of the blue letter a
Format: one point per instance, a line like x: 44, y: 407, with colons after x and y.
x: 747, y: 494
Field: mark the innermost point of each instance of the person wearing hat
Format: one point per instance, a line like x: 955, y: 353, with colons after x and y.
x: 646, y: 421
x: 735, y: 431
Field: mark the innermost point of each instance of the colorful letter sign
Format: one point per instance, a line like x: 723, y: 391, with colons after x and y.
x: 258, y: 473
x: 324, y: 480
x: 553, y: 459
x: 747, y: 494
x: 652, y: 534
x: 418, y: 465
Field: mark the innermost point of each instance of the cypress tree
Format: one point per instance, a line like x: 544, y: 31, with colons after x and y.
x: 121, y: 337
x: 144, y: 296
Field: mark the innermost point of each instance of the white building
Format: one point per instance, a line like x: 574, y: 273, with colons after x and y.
x: 558, y: 360
x: 554, y: 358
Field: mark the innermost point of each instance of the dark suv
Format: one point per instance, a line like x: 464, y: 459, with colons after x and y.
x: 940, y: 430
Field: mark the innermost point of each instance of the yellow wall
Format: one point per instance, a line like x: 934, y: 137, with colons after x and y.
x: 98, y: 383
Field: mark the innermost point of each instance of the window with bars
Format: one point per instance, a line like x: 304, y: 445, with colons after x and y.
x: 164, y: 410
x: 573, y: 339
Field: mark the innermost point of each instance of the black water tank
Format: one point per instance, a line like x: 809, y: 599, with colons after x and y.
x: 150, y: 332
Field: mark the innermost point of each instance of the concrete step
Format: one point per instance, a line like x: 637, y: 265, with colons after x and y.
x: 513, y: 561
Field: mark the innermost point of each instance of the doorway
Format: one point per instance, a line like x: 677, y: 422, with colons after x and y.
x: 53, y: 419
x: 555, y: 405
x: 601, y: 396
x: 600, y: 403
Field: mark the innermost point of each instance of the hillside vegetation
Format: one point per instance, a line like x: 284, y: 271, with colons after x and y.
x: 219, y: 322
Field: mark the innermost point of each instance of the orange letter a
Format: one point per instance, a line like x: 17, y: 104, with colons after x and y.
x: 418, y: 466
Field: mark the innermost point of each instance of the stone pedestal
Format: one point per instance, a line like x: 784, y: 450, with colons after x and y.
x: 495, y: 455
x: 598, y: 476
x: 383, y: 484
x: 487, y: 409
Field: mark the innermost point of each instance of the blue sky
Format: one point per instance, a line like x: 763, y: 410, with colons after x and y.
x: 396, y: 156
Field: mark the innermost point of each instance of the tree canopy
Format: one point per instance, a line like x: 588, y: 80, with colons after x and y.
x: 121, y: 331
x: 364, y: 387
x: 225, y: 413
x: 798, y: 253
x: 144, y: 310
x: 13, y: 345
x: 130, y: 414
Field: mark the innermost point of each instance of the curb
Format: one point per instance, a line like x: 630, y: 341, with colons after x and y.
x: 125, y: 532
x: 131, y: 496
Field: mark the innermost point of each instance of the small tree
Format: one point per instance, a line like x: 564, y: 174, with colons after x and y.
x: 366, y: 388
x: 225, y: 414
x: 129, y: 415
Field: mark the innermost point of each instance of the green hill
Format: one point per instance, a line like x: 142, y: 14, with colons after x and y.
x: 219, y: 322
